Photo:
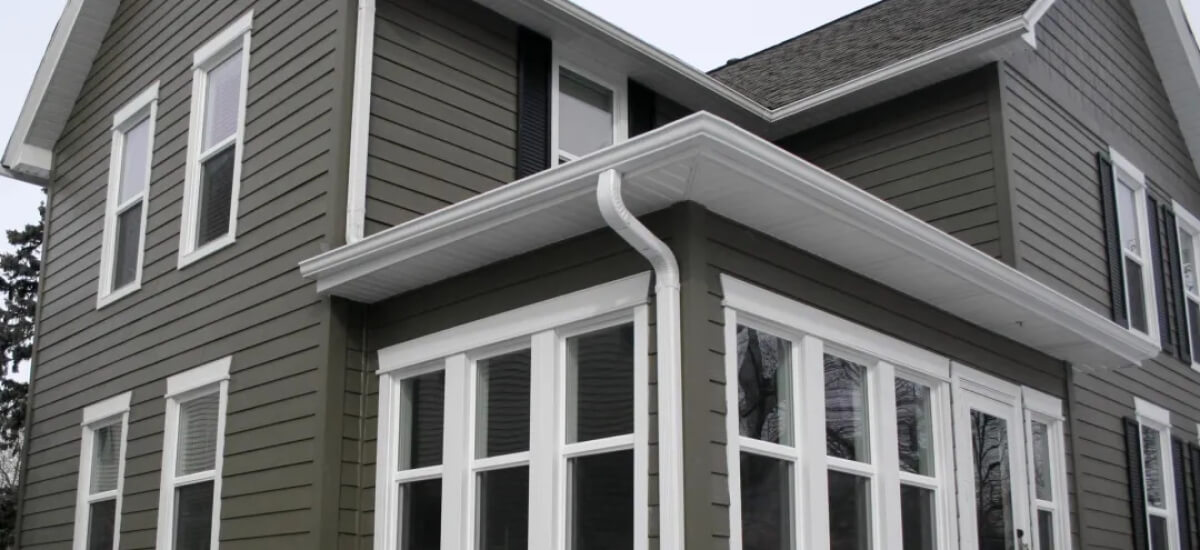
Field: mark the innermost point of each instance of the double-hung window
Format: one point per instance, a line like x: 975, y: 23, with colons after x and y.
x: 128, y: 192
x: 1047, y: 471
x: 588, y: 113
x: 101, y: 474
x: 525, y: 430
x: 214, y: 164
x: 1188, y: 227
x: 1133, y: 230
x: 193, y: 444
x: 1158, y: 476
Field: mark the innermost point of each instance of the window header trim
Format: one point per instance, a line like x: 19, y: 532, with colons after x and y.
x: 107, y: 409
x: 199, y: 377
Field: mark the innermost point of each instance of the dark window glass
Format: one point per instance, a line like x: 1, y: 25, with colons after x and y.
x: 766, y: 503
x: 101, y: 523
x: 193, y: 516
x: 1137, y: 298
x: 849, y: 512
x: 846, y: 414
x: 993, y: 490
x: 421, y: 515
x: 422, y: 421
x: 600, y: 384
x: 1194, y: 315
x: 216, y: 196
x: 602, y: 501
x: 504, y: 509
x: 914, y: 427
x: 1045, y: 530
x: 764, y: 386
x: 1158, y: 533
x: 129, y: 237
x: 918, y: 518
x: 502, y: 424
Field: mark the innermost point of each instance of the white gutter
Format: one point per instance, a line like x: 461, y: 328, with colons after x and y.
x: 360, y: 122
x: 670, y: 366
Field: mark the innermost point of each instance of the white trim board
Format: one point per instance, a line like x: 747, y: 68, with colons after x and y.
x: 106, y: 409
x: 199, y: 377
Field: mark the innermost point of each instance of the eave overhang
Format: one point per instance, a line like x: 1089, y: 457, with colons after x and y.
x: 738, y: 175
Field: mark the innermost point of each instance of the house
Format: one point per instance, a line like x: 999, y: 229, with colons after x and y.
x: 495, y: 273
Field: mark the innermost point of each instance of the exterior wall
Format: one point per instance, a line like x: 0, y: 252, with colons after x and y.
x: 246, y: 300
x: 1090, y: 84
x: 933, y: 153
x: 443, y: 107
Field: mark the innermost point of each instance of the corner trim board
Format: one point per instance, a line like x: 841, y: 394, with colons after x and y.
x: 360, y: 122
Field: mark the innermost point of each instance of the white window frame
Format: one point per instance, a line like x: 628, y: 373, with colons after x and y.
x: 1186, y: 223
x: 111, y: 411
x: 1048, y: 410
x: 612, y: 82
x: 811, y: 330
x: 234, y: 38
x: 543, y: 328
x: 1125, y: 171
x: 1151, y: 416
x: 198, y: 382
x: 142, y: 107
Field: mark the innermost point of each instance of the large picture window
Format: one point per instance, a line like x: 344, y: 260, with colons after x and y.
x: 525, y: 430
x: 101, y: 474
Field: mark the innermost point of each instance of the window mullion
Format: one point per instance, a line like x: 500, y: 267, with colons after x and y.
x: 812, y: 512
x: 886, y: 456
x: 544, y: 430
x: 455, y: 482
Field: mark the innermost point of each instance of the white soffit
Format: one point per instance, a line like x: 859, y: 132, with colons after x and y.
x: 735, y: 174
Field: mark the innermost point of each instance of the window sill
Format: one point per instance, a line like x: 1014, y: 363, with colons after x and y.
x: 103, y: 300
x: 195, y: 255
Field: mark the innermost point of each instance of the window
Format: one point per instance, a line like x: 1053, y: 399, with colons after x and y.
x: 524, y: 430
x: 1134, y: 233
x: 101, y: 474
x: 1158, y: 476
x: 193, y: 444
x: 1047, y: 471
x: 128, y: 189
x: 1188, y: 227
x: 588, y: 114
x: 213, y: 174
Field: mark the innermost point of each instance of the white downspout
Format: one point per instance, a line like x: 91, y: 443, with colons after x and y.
x: 670, y: 402
x: 360, y: 120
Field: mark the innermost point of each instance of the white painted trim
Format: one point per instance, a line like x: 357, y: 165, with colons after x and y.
x: 145, y: 104
x: 199, y: 377
x: 1123, y: 163
x: 1137, y: 180
x: 1152, y: 414
x: 1048, y: 410
x: 236, y: 37
x: 617, y: 85
x: 555, y: 312
x: 97, y: 416
x: 360, y: 122
x: 1042, y: 403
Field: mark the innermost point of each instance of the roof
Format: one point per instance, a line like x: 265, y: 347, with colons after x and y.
x: 858, y: 44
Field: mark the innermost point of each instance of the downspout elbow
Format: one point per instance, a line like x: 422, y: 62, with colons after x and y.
x: 621, y: 220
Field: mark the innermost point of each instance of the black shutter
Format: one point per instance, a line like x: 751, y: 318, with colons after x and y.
x: 533, y: 103
x: 642, y: 112
x: 1161, y: 274
x: 1112, y: 237
x: 1137, y: 492
x: 1194, y: 462
x: 1183, y: 349
x: 1181, y: 494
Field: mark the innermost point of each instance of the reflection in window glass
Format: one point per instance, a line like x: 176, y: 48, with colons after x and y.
x: 1152, y: 467
x: 504, y: 508
x: 1041, y: 461
x: 764, y: 386
x: 918, y: 518
x: 421, y: 422
x: 1187, y: 253
x: 914, y: 427
x: 421, y: 515
x: 849, y: 512
x: 602, y: 501
x: 1045, y: 530
x: 102, y: 524
x: 585, y: 114
x: 1127, y: 216
x: 600, y: 384
x: 502, y: 399
x: 993, y: 491
x: 106, y: 458
x: 846, y: 415
x: 766, y: 503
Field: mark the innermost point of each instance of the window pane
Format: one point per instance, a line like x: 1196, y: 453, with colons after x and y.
x: 1152, y: 467
x: 585, y: 114
x: 1041, y: 461
x: 106, y: 458
x: 600, y: 384
x: 1127, y: 217
x: 193, y: 516
x: 918, y: 518
x: 993, y: 490
x: 1045, y: 530
x: 502, y: 397
x: 1137, y: 296
x: 1194, y: 317
x: 421, y: 515
x: 198, y: 435
x: 846, y: 424
x: 216, y: 196
x: 221, y: 100
x: 766, y: 503
x: 504, y: 509
x: 134, y: 153
x: 101, y: 524
x: 129, y: 239
x: 914, y: 427
x: 1158, y: 533
x: 849, y: 512
x: 1187, y: 253
x: 421, y: 422
x: 764, y: 386
x: 602, y: 501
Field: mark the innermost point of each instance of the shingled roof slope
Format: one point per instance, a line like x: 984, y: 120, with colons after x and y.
x: 860, y: 43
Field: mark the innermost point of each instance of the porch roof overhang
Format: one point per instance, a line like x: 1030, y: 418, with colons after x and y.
x: 735, y: 174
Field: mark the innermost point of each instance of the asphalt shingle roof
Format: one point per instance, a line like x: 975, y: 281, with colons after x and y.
x: 860, y: 43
